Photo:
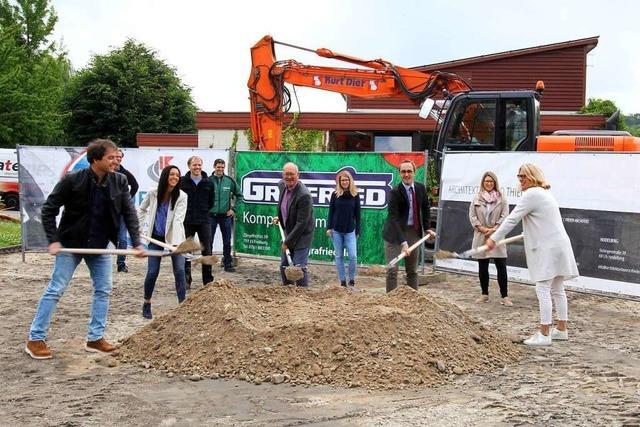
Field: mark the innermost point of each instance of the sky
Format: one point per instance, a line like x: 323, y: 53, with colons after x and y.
x: 208, y: 42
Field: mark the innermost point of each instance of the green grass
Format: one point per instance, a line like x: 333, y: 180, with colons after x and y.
x: 10, y: 234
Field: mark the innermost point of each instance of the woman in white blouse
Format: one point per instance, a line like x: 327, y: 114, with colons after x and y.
x: 161, y: 216
x: 486, y: 212
x: 548, y: 250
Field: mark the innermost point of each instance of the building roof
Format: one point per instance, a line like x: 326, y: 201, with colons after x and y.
x: 589, y: 43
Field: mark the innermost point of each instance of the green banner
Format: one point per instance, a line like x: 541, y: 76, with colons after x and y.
x: 258, y: 173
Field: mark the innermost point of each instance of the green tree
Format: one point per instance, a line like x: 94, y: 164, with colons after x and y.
x: 33, y: 73
x: 605, y: 107
x: 599, y: 106
x: 633, y: 119
x: 633, y: 123
x: 34, y: 21
x: 125, y: 92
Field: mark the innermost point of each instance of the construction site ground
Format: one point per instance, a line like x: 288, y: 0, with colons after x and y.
x: 593, y: 379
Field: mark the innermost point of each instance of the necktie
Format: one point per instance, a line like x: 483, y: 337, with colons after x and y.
x: 414, y: 205
x: 284, y: 208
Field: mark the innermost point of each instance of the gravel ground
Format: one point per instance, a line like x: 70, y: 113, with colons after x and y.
x: 593, y: 379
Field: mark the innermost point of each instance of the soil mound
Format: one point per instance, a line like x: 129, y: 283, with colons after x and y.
x: 330, y: 336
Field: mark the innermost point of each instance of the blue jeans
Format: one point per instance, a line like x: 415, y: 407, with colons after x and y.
x: 299, y: 257
x: 225, y: 229
x: 340, y: 242
x: 63, y: 268
x: 123, y: 241
x: 153, y: 269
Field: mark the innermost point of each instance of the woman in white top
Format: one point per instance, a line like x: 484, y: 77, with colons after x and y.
x: 548, y: 250
x: 161, y: 216
x: 486, y: 212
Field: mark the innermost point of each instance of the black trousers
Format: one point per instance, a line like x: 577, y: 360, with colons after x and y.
x: 483, y: 275
x: 204, y: 235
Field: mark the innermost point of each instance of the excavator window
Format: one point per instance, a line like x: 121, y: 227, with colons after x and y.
x: 472, y: 123
x: 516, y: 123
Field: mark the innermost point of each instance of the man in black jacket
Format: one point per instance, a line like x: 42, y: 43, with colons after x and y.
x: 196, y: 221
x: 295, y: 213
x: 94, y: 199
x: 122, y: 236
x: 407, y: 217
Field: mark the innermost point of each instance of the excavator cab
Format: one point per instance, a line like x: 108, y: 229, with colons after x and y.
x: 490, y: 121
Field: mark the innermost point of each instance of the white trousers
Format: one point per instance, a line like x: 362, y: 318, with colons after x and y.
x: 545, y: 291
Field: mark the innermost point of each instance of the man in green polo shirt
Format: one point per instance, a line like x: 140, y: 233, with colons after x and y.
x: 226, y: 196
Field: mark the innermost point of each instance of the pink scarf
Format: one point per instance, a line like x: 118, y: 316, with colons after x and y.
x: 491, y: 197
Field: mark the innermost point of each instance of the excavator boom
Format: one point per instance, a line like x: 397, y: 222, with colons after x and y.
x: 380, y: 79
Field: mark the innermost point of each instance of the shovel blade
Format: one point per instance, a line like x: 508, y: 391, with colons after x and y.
x: 293, y: 273
x: 187, y: 246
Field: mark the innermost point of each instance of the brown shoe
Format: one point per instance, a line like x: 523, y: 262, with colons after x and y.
x: 100, y: 346
x: 38, y: 349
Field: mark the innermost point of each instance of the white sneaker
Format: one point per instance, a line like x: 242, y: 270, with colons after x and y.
x: 538, y: 339
x: 559, y: 335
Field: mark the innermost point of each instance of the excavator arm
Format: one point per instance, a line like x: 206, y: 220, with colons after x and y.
x: 270, y: 100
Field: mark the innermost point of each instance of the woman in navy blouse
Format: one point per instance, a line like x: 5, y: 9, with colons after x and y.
x: 343, y: 225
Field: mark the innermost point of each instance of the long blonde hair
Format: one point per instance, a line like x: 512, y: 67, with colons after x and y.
x: 535, y: 175
x: 353, y: 190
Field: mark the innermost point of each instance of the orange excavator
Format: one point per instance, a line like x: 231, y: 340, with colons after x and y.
x: 467, y: 120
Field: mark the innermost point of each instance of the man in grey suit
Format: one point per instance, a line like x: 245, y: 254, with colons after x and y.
x: 295, y: 213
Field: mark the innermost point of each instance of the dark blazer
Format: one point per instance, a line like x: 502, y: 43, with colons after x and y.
x: 133, y: 183
x: 73, y: 192
x: 199, y: 199
x: 300, y: 223
x: 395, y: 225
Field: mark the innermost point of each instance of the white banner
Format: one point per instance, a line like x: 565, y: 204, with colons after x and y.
x: 42, y: 167
x: 599, y: 199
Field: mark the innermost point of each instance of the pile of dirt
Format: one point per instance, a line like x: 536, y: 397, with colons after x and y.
x: 330, y: 336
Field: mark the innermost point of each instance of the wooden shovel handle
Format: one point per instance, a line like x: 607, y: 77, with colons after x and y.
x: 158, y: 242
x: 411, y: 248
x: 287, y: 253
x: 506, y: 241
x: 93, y: 251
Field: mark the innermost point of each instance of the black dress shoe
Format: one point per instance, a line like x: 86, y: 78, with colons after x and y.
x: 230, y: 269
x: 146, y: 310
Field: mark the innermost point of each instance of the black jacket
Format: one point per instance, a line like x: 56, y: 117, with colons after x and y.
x: 200, y: 199
x: 395, y: 225
x: 133, y: 182
x: 300, y: 223
x: 74, y: 193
